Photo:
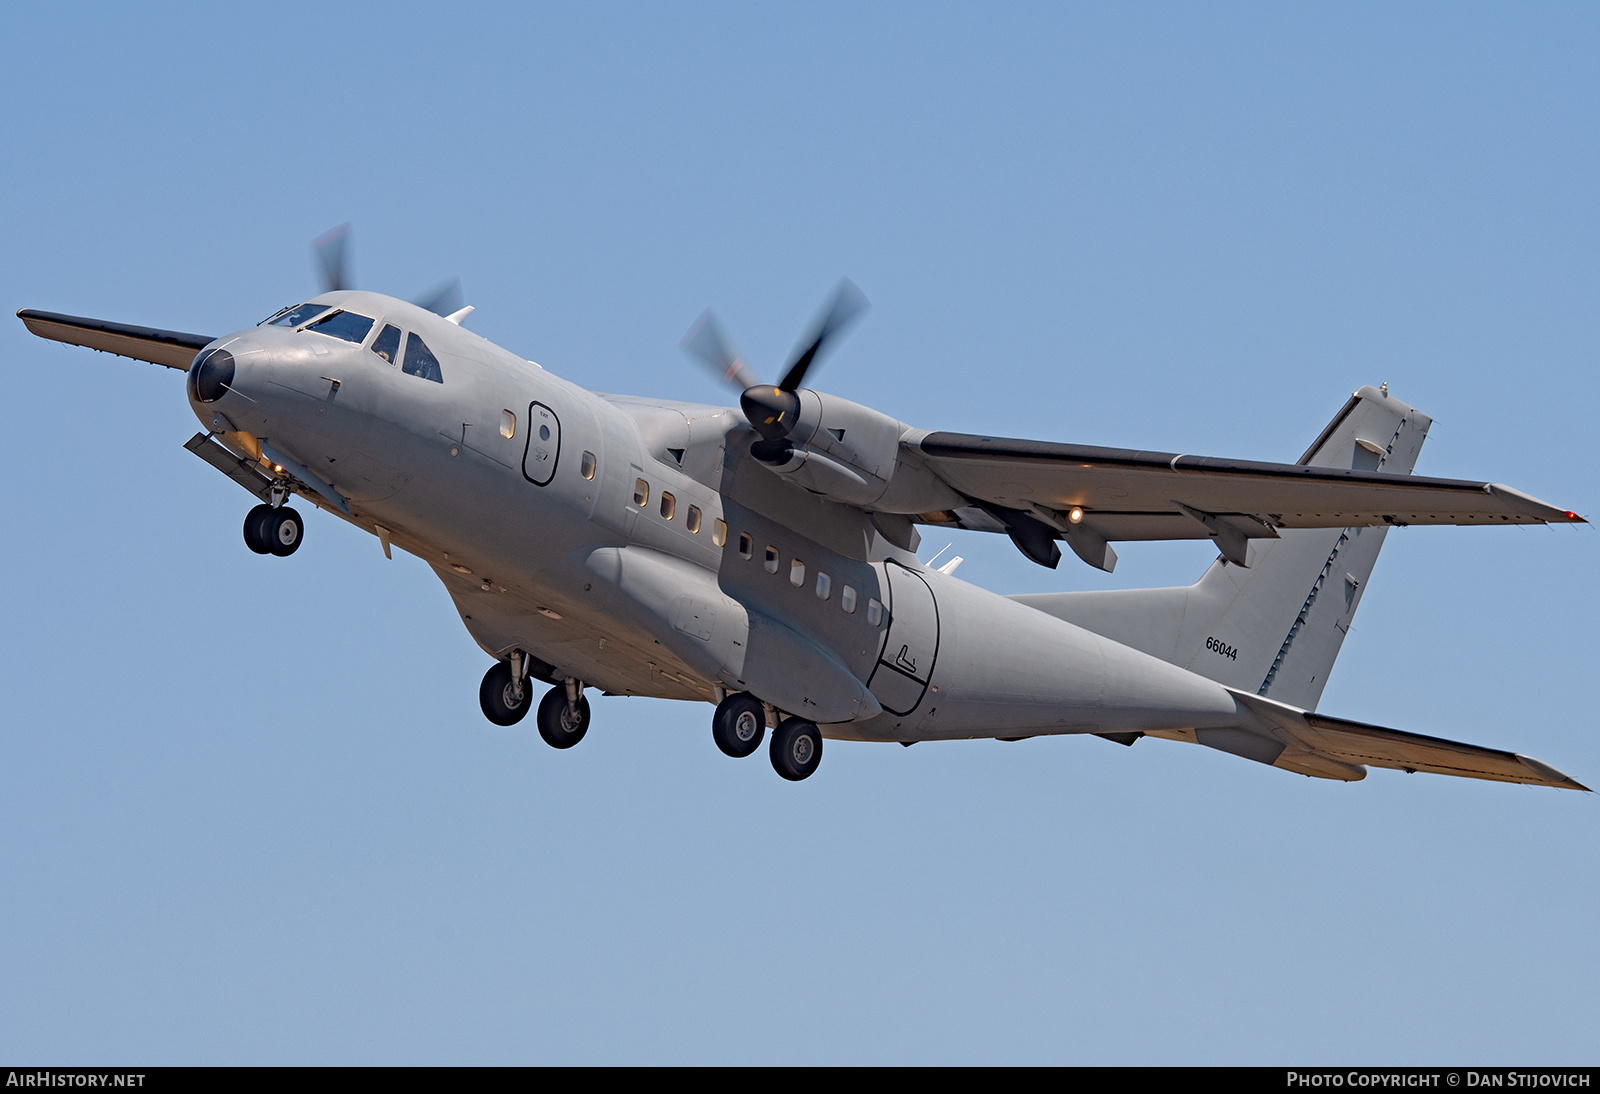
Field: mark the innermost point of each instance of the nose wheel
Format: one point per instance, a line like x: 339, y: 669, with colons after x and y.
x: 269, y: 531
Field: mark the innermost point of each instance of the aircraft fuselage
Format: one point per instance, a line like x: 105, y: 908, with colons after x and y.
x: 634, y: 546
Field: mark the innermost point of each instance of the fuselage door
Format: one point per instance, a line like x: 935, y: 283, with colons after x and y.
x: 906, y: 664
x: 544, y: 445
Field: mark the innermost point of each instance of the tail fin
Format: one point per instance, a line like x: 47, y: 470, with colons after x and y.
x: 1274, y: 627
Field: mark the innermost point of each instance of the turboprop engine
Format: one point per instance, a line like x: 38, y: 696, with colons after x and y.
x: 841, y: 450
x: 831, y: 446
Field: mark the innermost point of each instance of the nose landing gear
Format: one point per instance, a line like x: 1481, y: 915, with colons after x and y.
x: 269, y: 531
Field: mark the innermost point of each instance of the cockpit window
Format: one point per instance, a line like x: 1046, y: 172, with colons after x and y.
x: 293, y: 317
x: 344, y: 324
x: 420, y: 361
x: 387, y: 344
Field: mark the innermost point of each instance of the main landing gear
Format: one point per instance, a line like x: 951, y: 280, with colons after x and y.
x: 506, y: 698
x: 741, y: 721
x: 269, y: 531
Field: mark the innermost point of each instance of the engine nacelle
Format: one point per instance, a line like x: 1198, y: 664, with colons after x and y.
x: 851, y: 453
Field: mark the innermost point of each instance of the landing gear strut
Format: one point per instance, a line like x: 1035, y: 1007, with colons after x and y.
x: 269, y: 531
x: 739, y: 724
x: 796, y: 749
x: 563, y: 715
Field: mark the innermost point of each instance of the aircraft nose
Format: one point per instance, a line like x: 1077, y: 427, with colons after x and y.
x: 228, y: 364
x: 211, y: 375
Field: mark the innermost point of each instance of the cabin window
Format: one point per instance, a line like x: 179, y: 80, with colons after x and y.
x: 420, y: 361
x: 719, y: 533
x: 346, y: 325
x: 691, y: 519
x: 387, y: 344
x: 771, y: 562
x: 641, y: 493
x: 847, y: 599
x: 797, y: 572
x: 508, y: 424
x: 669, y: 505
x: 586, y: 465
x: 824, y: 586
x: 747, y: 546
x: 874, y: 611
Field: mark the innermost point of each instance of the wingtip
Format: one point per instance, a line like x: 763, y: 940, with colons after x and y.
x: 1531, y: 505
x: 1551, y: 776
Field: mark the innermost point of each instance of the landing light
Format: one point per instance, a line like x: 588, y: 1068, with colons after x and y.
x: 1075, y: 515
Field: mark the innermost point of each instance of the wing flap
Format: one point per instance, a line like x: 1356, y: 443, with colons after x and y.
x: 172, y: 348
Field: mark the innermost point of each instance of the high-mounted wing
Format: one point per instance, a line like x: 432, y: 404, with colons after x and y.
x: 173, y: 348
x: 1091, y: 495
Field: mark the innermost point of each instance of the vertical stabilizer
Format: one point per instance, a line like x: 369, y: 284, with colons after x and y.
x: 1272, y: 628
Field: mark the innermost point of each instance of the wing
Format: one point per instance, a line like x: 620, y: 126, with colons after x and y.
x: 1315, y: 744
x: 173, y: 348
x: 1346, y: 479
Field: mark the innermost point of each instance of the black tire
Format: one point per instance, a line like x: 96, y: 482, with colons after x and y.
x: 557, y: 725
x: 498, y: 698
x: 283, y: 530
x: 739, y: 725
x: 254, y: 538
x: 796, y: 749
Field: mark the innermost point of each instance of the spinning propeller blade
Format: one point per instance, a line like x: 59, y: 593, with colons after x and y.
x: 442, y: 299
x: 847, y: 304
x: 332, y: 252
x: 707, y: 341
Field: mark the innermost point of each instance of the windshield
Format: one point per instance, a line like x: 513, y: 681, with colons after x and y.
x: 293, y: 317
x: 344, y: 324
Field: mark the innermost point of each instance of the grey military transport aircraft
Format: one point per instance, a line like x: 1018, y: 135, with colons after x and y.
x: 764, y: 559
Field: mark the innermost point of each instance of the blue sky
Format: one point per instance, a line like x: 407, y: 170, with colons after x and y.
x: 252, y: 813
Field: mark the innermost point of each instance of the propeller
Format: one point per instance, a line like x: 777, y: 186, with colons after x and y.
x: 331, y: 252
x: 444, y: 298
x: 772, y: 410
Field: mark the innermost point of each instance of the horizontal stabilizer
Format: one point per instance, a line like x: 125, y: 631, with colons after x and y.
x: 1336, y: 748
x: 173, y: 348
